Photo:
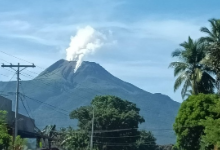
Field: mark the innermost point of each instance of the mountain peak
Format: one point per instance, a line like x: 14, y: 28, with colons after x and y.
x: 62, y: 88
x: 65, y: 69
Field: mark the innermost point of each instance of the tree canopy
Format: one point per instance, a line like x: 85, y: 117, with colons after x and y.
x: 5, y: 138
x: 189, y: 125
x: 116, y: 124
x: 146, y: 141
x: 212, y: 130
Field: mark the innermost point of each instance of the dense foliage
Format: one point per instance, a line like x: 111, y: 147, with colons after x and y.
x: 73, y: 139
x: 146, y: 141
x: 166, y: 147
x: 189, y: 125
x: 212, y: 130
x: 115, y: 126
x: 19, y: 144
x: 5, y: 138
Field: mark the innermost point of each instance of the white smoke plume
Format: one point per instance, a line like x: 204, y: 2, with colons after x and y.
x: 86, y: 41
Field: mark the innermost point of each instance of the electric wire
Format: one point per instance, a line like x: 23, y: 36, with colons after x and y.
x: 66, y: 91
x: 3, y: 75
x: 55, y: 73
x: 8, y: 82
x: 22, y: 91
x: 55, y: 108
x: 28, y: 113
x: 4, y: 60
x: 15, y: 57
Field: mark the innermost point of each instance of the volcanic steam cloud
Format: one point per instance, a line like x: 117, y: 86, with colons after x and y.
x: 86, y: 41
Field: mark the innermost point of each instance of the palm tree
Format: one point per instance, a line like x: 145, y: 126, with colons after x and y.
x: 213, y: 34
x: 212, y: 42
x: 190, y: 71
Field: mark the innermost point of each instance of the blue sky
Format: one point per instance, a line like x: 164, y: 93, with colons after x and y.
x: 142, y: 34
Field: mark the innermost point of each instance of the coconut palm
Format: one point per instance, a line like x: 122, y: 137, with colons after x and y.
x: 212, y: 42
x: 213, y: 33
x: 190, y: 71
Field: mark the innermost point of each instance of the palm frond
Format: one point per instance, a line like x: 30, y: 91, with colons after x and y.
x: 177, y: 63
x: 179, y: 68
x: 213, y: 26
x: 207, y: 83
x: 206, y: 30
x: 179, y: 81
x: 184, y: 90
x: 176, y: 53
x: 214, y: 32
x: 187, y: 44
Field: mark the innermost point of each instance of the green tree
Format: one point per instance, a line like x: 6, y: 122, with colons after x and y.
x: 212, y: 130
x: 146, y: 141
x: 5, y: 138
x: 19, y: 143
x: 166, y: 147
x: 212, y: 41
x: 73, y: 139
x: 190, y: 71
x: 116, y: 119
x: 188, y: 124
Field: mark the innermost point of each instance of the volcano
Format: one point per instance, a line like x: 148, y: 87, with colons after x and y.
x: 59, y: 86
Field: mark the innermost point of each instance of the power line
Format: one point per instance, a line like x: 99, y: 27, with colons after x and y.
x: 18, y: 66
x: 26, y: 69
x: 48, y: 84
x: 123, y: 144
x: 28, y: 113
x: 119, y: 137
x: 8, y: 81
x: 26, y: 100
x: 100, y: 131
x: 47, y: 75
x: 55, y: 108
x: 3, y: 75
x: 15, y: 57
x: 4, y: 60
x: 111, y: 131
x: 52, y: 106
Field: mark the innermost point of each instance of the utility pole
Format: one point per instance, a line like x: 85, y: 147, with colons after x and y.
x: 91, y: 141
x: 18, y: 66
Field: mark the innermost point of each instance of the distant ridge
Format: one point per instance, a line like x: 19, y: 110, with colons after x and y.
x: 59, y: 86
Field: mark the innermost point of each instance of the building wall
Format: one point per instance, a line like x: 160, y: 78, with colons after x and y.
x: 24, y: 123
x: 5, y: 104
